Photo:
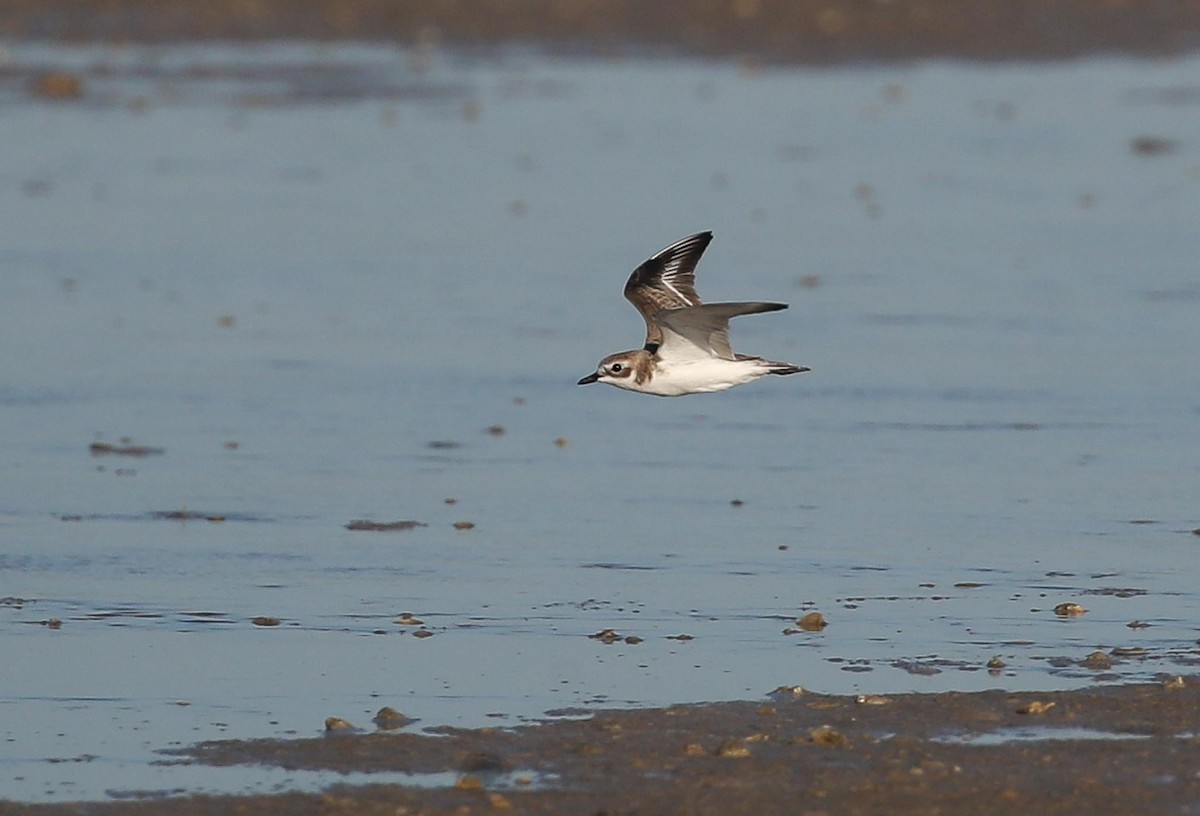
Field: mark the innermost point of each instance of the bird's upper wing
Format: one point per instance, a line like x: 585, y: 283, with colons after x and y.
x: 667, y: 280
x: 696, y: 332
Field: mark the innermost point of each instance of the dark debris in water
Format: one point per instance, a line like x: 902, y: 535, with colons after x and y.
x: 129, y: 449
x: 384, y: 526
x: 1116, y: 592
x: 186, y: 515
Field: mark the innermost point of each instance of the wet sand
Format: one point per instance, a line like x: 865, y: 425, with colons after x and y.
x: 809, y: 31
x: 1120, y: 749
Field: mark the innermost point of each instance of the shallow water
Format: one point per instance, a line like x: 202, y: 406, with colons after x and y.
x: 316, y: 278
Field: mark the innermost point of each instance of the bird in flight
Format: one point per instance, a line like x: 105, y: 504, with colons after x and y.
x: 687, y: 342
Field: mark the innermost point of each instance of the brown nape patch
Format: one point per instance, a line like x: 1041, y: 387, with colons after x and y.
x: 643, y: 368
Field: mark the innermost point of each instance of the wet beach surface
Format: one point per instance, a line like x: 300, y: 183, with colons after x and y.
x: 1123, y: 749
x: 291, y: 431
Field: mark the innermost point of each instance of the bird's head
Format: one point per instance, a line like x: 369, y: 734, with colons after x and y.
x: 619, y: 369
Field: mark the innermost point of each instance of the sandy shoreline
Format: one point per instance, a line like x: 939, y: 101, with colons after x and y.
x: 808, y: 31
x: 1115, y: 749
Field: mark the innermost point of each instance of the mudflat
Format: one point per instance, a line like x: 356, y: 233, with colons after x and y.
x: 804, y: 31
x: 1114, y: 749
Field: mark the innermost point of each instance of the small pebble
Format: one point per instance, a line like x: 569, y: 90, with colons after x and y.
x: 337, y: 724
x: 58, y: 85
x: 264, y: 620
x: 464, y: 525
x: 1097, y: 660
x: 1069, y: 610
x: 422, y: 633
x: 812, y: 622
x: 388, y: 718
x: 996, y: 663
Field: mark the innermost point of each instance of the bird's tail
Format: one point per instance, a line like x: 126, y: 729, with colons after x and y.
x: 774, y: 367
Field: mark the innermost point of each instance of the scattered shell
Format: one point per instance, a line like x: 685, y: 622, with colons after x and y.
x: 695, y: 749
x: 1069, y: 610
x: 1176, y: 682
x: 337, y: 724
x: 812, y: 622
x: 468, y: 782
x: 384, y: 526
x: 1128, y: 651
x: 1035, y: 707
x: 733, y: 749
x: 827, y: 735
x: 871, y: 699
x: 1097, y: 660
x: 464, y: 525
x: 499, y: 802
x: 388, y: 718
x: 996, y: 663
x: 264, y: 620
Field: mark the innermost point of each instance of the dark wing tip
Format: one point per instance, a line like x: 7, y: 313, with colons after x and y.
x: 677, y: 260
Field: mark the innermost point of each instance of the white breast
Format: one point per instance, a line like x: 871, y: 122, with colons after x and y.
x: 674, y: 379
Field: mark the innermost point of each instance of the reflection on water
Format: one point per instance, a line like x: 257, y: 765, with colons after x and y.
x: 321, y: 289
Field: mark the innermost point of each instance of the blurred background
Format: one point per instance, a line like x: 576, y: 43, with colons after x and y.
x: 294, y: 295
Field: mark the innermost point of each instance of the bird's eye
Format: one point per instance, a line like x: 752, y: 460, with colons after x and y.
x: 617, y: 368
